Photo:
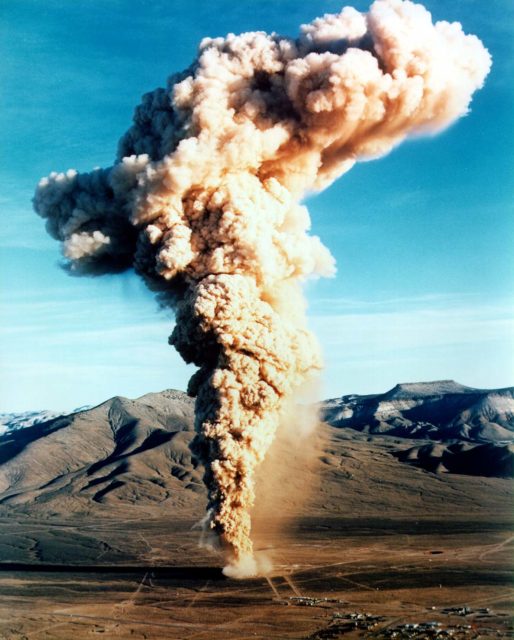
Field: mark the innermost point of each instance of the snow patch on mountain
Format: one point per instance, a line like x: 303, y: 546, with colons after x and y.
x: 15, y: 421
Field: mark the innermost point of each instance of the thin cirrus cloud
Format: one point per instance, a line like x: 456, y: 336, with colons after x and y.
x: 371, y: 347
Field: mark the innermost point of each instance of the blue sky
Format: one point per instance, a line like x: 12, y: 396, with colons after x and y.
x: 422, y: 237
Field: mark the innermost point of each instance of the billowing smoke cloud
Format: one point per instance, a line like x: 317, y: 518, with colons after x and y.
x: 203, y: 201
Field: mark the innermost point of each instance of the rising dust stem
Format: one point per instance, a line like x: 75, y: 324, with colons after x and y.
x: 203, y: 200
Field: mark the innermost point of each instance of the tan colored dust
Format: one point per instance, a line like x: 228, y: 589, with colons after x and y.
x: 204, y: 202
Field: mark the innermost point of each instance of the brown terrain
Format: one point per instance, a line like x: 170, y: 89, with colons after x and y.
x: 393, y: 521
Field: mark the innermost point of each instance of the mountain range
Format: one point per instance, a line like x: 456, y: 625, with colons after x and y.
x: 441, y: 410
x: 466, y: 430
x: 14, y: 421
x: 135, y: 453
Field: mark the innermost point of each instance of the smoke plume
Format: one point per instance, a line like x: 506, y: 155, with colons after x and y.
x: 203, y: 200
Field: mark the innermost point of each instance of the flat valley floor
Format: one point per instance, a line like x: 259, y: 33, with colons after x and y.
x: 333, y: 577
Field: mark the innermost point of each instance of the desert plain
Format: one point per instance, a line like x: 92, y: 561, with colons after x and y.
x: 99, y: 535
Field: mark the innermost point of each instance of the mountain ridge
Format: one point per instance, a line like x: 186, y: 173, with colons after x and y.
x: 439, y: 410
x: 136, y: 453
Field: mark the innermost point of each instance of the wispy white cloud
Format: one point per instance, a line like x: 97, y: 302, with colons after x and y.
x: 371, y: 350
x: 327, y: 305
x: 423, y: 327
